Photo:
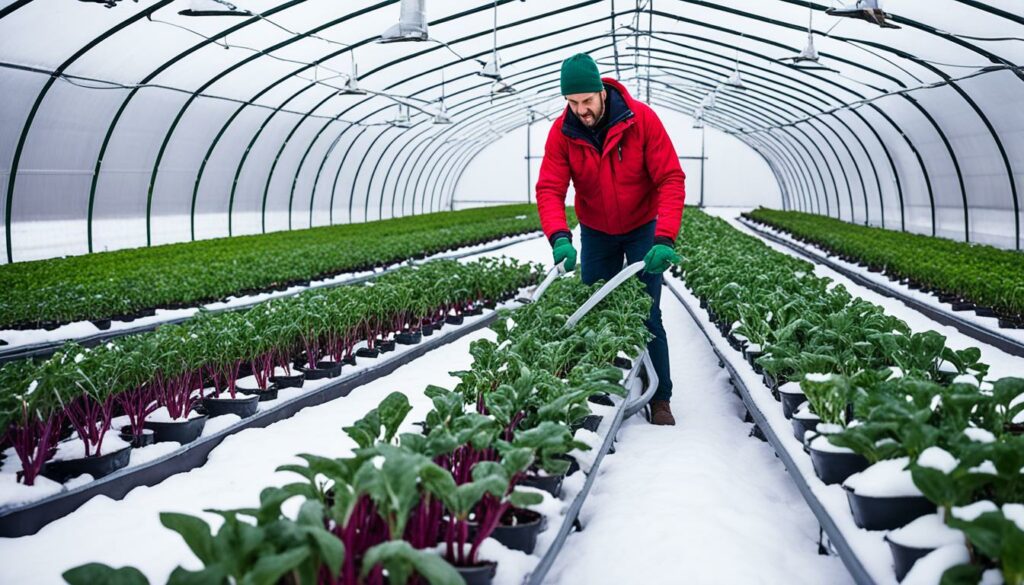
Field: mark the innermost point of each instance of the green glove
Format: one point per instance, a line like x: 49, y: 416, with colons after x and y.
x: 659, y: 258
x: 563, y: 250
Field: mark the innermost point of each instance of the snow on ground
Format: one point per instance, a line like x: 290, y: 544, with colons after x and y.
x: 697, y: 503
x: 1001, y: 363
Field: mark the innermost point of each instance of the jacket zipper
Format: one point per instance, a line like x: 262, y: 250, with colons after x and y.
x: 620, y: 151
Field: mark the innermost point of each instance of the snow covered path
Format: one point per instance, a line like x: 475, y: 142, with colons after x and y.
x: 698, y: 503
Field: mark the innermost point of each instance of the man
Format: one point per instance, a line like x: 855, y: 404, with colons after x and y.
x: 629, y: 194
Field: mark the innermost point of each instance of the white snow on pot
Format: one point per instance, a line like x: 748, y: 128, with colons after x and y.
x: 970, y: 512
x: 586, y: 458
x: 161, y: 415
x: 979, y: 435
x: 510, y: 324
x: 885, y: 479
x: 926, y: 532
x: 938, y: 458
x: 992, y: 577
x: 936, y: 402
x: 985, y: 466
x: 828, y: 428
x: 753, y: 347
x: 966, y: 379
x: 1014, y: 513
x: 818, y: 377
x: 791, y: 388
x: 75, y: 448
x: 803, y: 412
x: 823, y: 445
x: 734, y: 326
x: 929, y: 569
x: 947, y: 368
x: 13, y: 493
x: 896, y: 372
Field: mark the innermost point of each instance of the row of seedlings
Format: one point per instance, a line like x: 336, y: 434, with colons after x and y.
x: 967, y: 277
x: 81, y: 410
x: 127, y: 284
x: 419, y: 507
x: 924, y: 446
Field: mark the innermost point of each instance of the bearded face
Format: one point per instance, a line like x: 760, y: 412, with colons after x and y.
x: 588, y: 107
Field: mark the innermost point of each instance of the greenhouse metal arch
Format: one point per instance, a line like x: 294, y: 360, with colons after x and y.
x: 847, y: 163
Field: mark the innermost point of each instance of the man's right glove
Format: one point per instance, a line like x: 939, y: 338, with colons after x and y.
x: 563, y: 250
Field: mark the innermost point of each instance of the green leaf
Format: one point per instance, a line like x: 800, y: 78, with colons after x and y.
x: 961, y: 575
x: 211, y: 575
x: 93, y: 573
x: 194, y: 531
x: 401, y: 561
x: 393, y: 410
x: 521, y: 499
x: 270, y: 568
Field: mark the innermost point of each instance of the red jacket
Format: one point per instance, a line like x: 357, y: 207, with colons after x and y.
x: 636, y: 178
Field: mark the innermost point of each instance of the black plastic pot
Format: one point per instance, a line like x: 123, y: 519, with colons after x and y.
x: 102, y: 324
x: 886, y: 513
x: 790, y: 402
x: 454, y: 319
x: 802, y: 425
x: 602, y: 399
x: 985, y: 312
x: 522, y: 536
x: 482, y: 574
x: 365, y: 352
x: 750, y: 356
x: 427, y: 330
x: 621, y: 362
x: 322, y: 370
x: 963, y: 306
x: 408, y: 338
x: 386, y: 346
x: 148, y: 437
x: 103, y: 465
x: 293, y: 381
x: 349, y: 360
x: 263, y: 395
x: 589, y: 422
x: 473, y: 311
x: 552, y: 484
x: 1005, y: 323
x: 178, y: 431
x: 904, y: 557
x: 832, y: 468
x: 244, y: 407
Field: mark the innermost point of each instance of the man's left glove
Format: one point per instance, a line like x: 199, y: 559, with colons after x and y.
x: 659, y: 258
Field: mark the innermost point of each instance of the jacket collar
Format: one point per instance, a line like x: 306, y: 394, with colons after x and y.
x: 618, y: 110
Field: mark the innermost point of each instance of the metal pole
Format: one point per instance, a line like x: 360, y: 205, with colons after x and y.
x: 529, y: 122
x: 700, y: 203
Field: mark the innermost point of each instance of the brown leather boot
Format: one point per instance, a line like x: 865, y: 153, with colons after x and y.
x: 661, y: 414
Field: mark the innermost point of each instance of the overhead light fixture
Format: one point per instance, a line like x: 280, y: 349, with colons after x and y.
x: 708, y: 103
x: 866, y: 10
x: 492, y: 67
x: 403, y: 119
x: 351, y: 86
x: 213, y: 8
x: 698, y: 118
x: 441, y: 117
x: 412, y: 24
x: 735, y: 80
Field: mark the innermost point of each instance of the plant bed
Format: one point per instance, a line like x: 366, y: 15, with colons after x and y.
x: 97, y: 466
x: 148, y: 437
x: 243, y: 406
x: 178, y: 431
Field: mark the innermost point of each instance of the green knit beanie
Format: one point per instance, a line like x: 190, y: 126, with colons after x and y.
x: 580, y: 75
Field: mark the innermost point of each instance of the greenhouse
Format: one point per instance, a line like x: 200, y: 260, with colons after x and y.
x: 441, y: 292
